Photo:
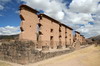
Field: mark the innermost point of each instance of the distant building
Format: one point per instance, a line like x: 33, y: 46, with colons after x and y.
x: 79, y: 37
x: 83, y: 39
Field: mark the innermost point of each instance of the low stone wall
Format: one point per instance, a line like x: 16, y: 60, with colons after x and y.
x: 16, y: 51
x: 24, y: 52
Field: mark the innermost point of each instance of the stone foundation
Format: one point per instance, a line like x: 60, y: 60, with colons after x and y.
x: 24, y: 52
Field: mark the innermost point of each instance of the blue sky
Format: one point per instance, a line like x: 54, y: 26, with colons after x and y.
x: 82, y: 15
x: 10, y: 14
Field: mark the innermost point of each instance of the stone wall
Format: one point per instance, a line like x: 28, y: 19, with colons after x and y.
x: 16, y: 51
x: 24, y: 52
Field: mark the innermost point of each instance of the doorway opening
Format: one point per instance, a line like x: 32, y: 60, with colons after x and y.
x: 51, y: 42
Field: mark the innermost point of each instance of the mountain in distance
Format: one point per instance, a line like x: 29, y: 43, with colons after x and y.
x: 94, y: 39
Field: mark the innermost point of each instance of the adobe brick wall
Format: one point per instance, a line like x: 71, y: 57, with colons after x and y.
x: 55, y: 33
x: 69, y: 36
x: 79, y: 39
x: 45, y: 30
x: 62, y: 36
x: 28, y: 24
x: 77, y: 36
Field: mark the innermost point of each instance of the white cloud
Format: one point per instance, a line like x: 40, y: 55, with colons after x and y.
x: 1, y: 7
x: 84, y: 6
x: 60, y: 15
x: 79, y: 12
x: 89, y: 30
x: 52, y: 8
x: 78, y: 18
x: 9, y: 30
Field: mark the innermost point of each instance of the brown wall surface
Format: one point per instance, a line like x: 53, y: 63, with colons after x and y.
x: 69, y: 37
x: 45, y: 29
x: 77, y: 36
x: 55, y: 33
x: 63, y: 36
x: 28, y: 25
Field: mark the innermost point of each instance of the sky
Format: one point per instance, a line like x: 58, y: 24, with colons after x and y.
x: 81, y: 15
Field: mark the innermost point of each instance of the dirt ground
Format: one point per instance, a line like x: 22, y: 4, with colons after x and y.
x: 89, y: 56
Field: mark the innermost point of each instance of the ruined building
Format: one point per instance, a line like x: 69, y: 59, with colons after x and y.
x: 79, y: 37
x: 45, y: 31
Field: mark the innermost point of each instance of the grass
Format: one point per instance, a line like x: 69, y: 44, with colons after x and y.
x: 4, y: 64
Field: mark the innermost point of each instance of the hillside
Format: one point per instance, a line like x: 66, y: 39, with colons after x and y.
x: 5, y: 37
x: 95, y: 39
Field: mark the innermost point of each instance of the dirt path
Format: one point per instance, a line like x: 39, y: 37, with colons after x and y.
x: 89, y: 56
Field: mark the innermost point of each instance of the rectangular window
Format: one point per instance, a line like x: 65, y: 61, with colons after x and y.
x: 51, y: 30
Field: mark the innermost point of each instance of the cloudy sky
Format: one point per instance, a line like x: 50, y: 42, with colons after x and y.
x: 82, y: 15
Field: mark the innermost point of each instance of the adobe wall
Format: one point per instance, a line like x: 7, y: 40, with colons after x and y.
x: 69, y: 37
x: 55, y: 33
x: 62, y: 36
x: 45, y: 30
x: 28, y: 24
x: 77, y: 36
x: 53, y: 29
